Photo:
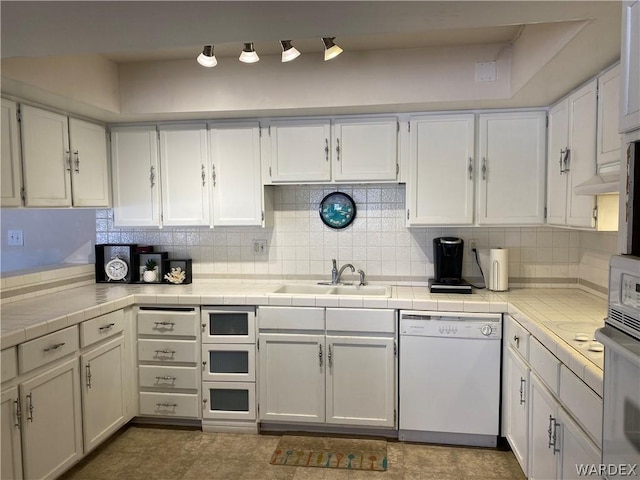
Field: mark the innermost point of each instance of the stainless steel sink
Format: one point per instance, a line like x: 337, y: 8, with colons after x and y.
x: 352, y: 290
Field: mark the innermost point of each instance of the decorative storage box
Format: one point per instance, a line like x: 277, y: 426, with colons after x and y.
x: 123, y: 271
x: 183, y: 264
x: 159, y: 257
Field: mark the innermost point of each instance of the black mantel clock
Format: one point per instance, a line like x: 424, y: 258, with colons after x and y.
x: 337, y: 210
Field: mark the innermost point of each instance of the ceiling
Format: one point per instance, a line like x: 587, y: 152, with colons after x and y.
x: 140, y: 31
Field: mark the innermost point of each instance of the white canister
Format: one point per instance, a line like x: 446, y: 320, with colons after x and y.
x: 499, y: 269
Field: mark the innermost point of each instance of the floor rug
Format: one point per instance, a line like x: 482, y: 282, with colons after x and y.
x: 324, y: 452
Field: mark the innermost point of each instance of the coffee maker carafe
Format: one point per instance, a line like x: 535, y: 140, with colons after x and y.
x: 447, y: 264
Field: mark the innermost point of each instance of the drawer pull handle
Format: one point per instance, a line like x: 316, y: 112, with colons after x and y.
x: 165, y: 352
x: 164, y: 324
x: 107, y: 327
x: 30, y: 407
x: 166, y: 377
x: 167, y: 405
x: 516, y: 339
x: 55, y: 346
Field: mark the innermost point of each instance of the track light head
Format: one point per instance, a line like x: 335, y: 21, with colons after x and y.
x: 207, y: 58
x: 289, y: 52
x: 249, y: 54
x: 331, y: 50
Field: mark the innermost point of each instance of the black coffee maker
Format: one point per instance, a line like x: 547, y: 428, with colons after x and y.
x: 447, y: 264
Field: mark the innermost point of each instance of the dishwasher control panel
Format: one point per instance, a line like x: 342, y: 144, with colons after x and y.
x: 459, y: 325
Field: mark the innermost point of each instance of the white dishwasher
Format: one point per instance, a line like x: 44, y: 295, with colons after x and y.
x: 450, y: 377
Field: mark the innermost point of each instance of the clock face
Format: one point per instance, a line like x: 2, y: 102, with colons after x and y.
x: 337, y: 210
x: 116, y: 269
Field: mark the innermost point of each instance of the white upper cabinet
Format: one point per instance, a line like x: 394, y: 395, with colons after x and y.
x: 136, y: 189
x: 630, y: 67
x: 184, y: 165
x: 365, y: 149
x: 441, y: 170
x: 236, y: 184
x: 89, y: 173
x: 300, y: 150
x: 511, y: 170
x: 608, y: 141
x: 46, y: 158
x: 11, y: 173
x: 64, y: 160
x: 558, y: 145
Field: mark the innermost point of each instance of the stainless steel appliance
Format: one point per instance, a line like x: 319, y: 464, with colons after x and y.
x: 449, y: 377
x: 629, y: 219
x: 621, y: 392
x: 447, y: 266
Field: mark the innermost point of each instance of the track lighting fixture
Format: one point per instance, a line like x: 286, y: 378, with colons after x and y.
x: 289, y: 52
x: 207, y: 58
x: 331, y: 50
x: 249, y: 54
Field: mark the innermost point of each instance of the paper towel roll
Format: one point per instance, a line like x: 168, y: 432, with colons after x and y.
x: 499, y: 269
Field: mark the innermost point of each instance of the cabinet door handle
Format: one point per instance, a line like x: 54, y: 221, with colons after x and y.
x: 203, y: 175
x: 88, y: 367
x: 320, y: 354
x: 163, y: 324
x: 326, y: 149
x: 561, y: 160
x: 77, y: 161
x: 553, y: 434
x: 152, y: 176
x: 330, y: 357
x: 18, y: 406
x: 337, y: 149
x: 68, y: 153
x: 522, y: 384
x: 484, y: 168
x: 213, y: 174
x: 107, y: 327
x: 516, y: 339
x: 55, y: 346
x: 470, y: 168
x: 567, y: 159
x: 30, y: 406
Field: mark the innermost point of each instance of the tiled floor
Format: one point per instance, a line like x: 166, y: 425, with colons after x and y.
x: 152, y: 453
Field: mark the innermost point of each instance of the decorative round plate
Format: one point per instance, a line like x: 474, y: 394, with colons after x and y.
x: 337, y: 210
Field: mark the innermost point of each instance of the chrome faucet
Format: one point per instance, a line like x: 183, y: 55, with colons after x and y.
x: 336, y: 274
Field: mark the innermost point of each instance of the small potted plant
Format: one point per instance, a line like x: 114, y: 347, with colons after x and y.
x: 150, y: 271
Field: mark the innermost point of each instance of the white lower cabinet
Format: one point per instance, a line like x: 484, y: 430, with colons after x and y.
x: 52, y: 421
x: 516, y: 415
x: 323, y: 375
x: 103, y: 392
x: 543, y: 433
x: 11, y: 452
x: 576, y: 449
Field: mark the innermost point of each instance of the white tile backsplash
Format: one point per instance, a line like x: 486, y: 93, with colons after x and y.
x: 300, y: 245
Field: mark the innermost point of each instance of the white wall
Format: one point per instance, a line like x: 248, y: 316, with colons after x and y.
x: 51, y: 236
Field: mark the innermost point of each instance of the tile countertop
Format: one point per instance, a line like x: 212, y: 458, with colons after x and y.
x: 553, y: 315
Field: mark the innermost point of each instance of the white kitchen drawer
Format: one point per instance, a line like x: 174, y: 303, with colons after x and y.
x: 8, y: 364
x: 38, y: 352
x: 171, y: 351
x: 229, y: 400
x: 582, y: 402
x: 168, y: 377
x: 545, y: 364
x: 361, y: 320
x: 102, y: 327
x: 169, y: 404
x: 169, y: 322
x: 291, y: 318
x: 517, y: 336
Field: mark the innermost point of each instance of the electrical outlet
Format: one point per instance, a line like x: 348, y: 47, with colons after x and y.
x: 473, y: 244
x: 14, y: 237
x: 259, y: 247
